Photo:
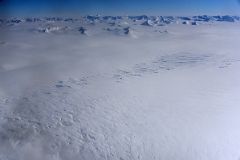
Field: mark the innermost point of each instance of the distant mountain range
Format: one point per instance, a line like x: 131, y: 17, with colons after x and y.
x: 120, y: 25
x: 150, y: 19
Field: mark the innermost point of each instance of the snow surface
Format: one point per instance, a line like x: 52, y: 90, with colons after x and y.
x: 120, y: 88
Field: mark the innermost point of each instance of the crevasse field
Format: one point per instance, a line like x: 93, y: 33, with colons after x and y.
x: 120, y: 88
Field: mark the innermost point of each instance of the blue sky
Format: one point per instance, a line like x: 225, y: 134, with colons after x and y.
x: 119, y: 7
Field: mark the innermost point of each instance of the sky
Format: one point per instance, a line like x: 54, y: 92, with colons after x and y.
x: 119, y: 7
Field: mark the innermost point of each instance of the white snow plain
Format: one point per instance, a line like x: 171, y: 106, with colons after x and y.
x: 120, y: 88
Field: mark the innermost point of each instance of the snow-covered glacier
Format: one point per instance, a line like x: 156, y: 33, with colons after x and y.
x: 120, y: 88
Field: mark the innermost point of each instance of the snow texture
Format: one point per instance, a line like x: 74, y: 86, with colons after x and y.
x: 120, y: 88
